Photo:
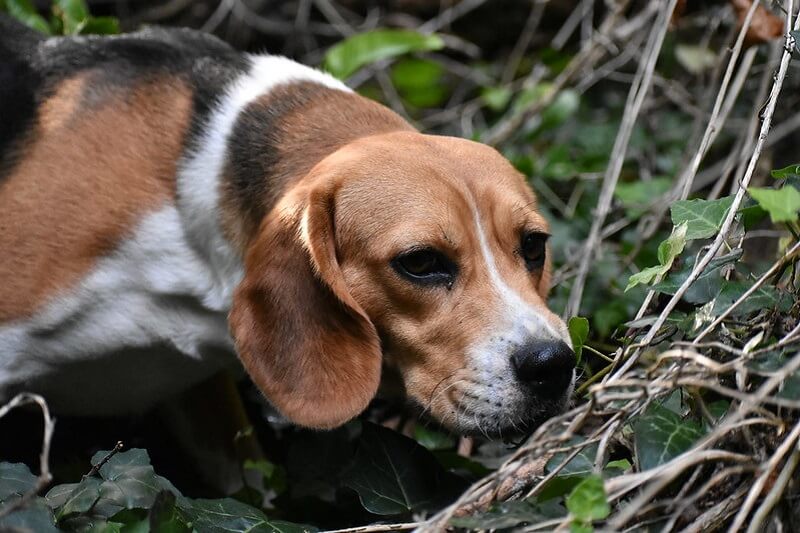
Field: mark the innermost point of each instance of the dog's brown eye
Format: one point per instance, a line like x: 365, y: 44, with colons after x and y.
x: 425, y: 266
x: 533, y: 249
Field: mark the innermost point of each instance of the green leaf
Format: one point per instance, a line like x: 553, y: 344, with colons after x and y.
x: 782, y: 205
x: 100, y: 26
x: 227, y: 515
x: 419, y: 81
x: 23, y: 11
x: 34, y: 517
x: 432, y: 439
x: 587, y: 501
x: 578, y: 331
x: 74, y: 498
x: 661, y: 434
x: 702, y: 217
x: 706, y: 287
x: 668, y: 250
x: 346, y: 57
x: 765, y: 297
x: 393, y: 474
x: 164, y: 516
x: 15, y: 480
x: 512, y: 514
x: 126, y: 481
x: 496, y: 98
x: 672, y: 245
x: 73, y: 14
x: 785, y: 172
x: 636, y: 196
x: 564, y: 106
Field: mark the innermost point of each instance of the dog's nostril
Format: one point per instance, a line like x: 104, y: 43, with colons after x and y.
x: 545, y: 365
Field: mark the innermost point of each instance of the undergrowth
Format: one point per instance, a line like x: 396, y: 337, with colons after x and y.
x: 661, y: 139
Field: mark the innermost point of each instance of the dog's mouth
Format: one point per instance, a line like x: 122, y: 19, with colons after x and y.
x: 511, y: 427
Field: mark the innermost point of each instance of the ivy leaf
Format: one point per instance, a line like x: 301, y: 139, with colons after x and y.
x: 164, y: 516
x: 661, y: 434
x: 392, y: 474
x: 346, y: 57
x: 23, y: 11
x: 74, y: 498
x: 765, y: 297
x: 36, y: 517
x: 226, y: 515
x: 511, y: 514
x: 706, y: 287
x: 126, y: 481
x: 782, y: 205
x: 702, y: 217
x: 578, y: 331
x: 668, y: 250
x: 587, y: 501
x: 786, y: 172
x: 15, y: 480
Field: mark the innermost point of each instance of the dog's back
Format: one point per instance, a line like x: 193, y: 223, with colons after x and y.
x: 94, y: 251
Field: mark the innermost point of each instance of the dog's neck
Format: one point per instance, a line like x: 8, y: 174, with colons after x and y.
x: 271, y: 127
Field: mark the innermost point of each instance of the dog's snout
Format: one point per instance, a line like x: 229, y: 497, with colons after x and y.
x: 544, y: 365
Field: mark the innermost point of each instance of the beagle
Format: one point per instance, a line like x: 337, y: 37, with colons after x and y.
x: 168, y: 204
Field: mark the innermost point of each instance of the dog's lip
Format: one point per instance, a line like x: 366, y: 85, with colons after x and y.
x: 513, y: 434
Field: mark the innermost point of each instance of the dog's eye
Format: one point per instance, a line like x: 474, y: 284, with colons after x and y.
x: 425, y: 266
x: 533, y: 249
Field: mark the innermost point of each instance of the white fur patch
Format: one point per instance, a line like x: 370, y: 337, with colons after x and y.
x: 522, y: 318
x: 200, y: 173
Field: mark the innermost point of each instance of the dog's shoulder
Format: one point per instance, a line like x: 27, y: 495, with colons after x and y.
x: 33, y: 67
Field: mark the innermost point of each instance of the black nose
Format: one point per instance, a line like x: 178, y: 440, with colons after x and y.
x: 546, y: 366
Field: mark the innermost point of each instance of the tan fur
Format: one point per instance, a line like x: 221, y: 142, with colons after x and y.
x: 86, y: 177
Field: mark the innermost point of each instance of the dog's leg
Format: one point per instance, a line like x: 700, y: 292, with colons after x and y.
x: 209, y: 424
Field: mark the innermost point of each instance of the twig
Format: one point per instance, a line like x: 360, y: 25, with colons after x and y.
x: 96, y: 468
x: 753, y: 288
x: 636, y: 96
x: 587, y: 56
x: 728, y: 222
x: 775, y: 493
x: 767, y: 472
x: 377, y: 527
x: 45, y: 477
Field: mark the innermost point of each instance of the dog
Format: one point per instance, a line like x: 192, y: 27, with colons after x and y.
x: 168, y: 203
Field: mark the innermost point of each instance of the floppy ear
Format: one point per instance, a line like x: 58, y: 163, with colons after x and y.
x: 302, y: 338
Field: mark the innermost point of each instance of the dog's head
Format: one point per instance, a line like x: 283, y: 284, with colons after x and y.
x: 424, y: 253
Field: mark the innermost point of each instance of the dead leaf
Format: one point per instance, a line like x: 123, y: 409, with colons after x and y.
x: 765, y: 25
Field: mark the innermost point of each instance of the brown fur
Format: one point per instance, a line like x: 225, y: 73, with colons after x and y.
x: 85, y: 178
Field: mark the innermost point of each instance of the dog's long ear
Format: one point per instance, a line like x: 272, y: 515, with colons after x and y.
x: 302, y: 337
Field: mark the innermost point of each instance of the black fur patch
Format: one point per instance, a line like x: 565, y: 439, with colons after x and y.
x: 19, y: 85
x: 253, y: 150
